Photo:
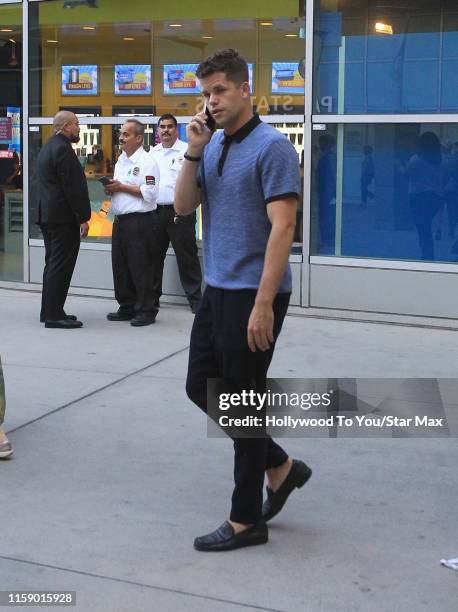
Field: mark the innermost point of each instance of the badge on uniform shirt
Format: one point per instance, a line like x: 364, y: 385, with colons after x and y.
x: 136, y: 171
x: 150, y: 180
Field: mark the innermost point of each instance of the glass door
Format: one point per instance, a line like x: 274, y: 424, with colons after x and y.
x: 11, y: 180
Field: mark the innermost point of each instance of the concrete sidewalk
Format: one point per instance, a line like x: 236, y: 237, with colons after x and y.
x: 113, y: 475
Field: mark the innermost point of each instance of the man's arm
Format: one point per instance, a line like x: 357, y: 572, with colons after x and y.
x: 70, y: 178
x: 117, y: 187
x: 282, y: 215
x: 148, y: 190
x: 187, y: 192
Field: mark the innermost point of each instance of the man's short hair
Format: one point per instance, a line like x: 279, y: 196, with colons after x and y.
x: 139, y: 127
x: 228, y: 61
x: 168, y: 116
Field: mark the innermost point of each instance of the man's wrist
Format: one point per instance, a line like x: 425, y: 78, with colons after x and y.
x: 194, y: 151
x: 263, y: 301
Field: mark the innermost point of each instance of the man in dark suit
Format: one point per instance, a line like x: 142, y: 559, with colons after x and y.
x: 64, y: 210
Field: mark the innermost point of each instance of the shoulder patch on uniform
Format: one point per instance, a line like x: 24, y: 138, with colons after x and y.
x: 150, y: 180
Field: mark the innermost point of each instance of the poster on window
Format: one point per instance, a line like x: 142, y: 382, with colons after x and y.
x: 132, y: 79
x: 14, y: 114
x: 286, y: 78
x: 6, y: 131
x: 80, y: 80
x: 181, y: 79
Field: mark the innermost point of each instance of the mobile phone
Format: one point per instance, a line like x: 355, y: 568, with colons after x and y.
x: 105, y: 180
x: 211, y: 123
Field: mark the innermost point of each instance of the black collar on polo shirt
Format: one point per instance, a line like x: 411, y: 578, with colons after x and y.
x: 238, y: 136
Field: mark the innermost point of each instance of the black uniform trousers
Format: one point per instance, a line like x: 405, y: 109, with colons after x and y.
x: 133, y: 258
x: 183, y: 237
x: 62, y: 244
x: 219, y: 349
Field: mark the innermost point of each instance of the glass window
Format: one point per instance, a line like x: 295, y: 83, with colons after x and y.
x: 97, y: 151
x: 112, y: 55
x: 11, y: 199
x: 112, y: 60
x: 386, y: 191
x: 389, y: 57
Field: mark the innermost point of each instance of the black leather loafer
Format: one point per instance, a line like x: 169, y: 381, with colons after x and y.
x: 225, y: 538
x: 120, y: 316
x: 297, y: 477
x: 64, y: 324
x: 141, y: 320
x: 66, y: 316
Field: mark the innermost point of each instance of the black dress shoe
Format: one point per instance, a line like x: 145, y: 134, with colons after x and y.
x: 64, y: 324
x: 296, y: 478
x: 141, y: 320
x: 225, y: 538
x: 66, y: 316
x: 120, y: 316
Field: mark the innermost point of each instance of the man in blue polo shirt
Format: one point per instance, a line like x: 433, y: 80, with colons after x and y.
x: 247, y: 178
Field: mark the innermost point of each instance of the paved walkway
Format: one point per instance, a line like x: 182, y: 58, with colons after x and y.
x: 113, y: 474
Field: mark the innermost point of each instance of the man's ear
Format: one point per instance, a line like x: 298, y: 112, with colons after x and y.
x: 245, y: 90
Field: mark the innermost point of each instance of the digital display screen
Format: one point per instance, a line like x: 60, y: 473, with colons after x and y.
x: 286, y: 78
x: 132, y: 79
x: 181, y: 79
x: 80, y: 80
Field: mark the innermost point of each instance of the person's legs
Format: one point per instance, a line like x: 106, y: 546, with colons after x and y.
x: 160, y: 220
x: 140, y: 248
x: 123, y: 286
x: 48, y: 245
x: 63, y: 246
x: 183, y: 237
x: 425, y: 206
x: 6, y: 450
x: 363, y: 190
x: 202, y: 363
x: 244, y: 370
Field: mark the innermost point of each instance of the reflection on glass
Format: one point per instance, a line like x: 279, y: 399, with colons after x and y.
x: 387, y: 191
x: 386, y: 57
x: 11, y: 198
x: 130, y: 64
x: 98, y: 151
x: 139, y: 55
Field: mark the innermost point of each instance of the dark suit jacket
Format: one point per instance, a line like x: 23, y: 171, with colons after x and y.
x: 62, y: 188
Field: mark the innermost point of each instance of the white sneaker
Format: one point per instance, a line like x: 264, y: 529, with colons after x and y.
x: 6, y: 450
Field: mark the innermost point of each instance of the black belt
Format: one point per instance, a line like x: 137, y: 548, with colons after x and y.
x: 165, y: 205
x: 133, y: 214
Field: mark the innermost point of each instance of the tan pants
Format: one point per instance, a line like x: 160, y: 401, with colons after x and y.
x: 2, y: 395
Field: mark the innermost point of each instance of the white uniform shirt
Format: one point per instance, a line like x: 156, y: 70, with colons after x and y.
x: 170, y: 162
x: 141, y: 170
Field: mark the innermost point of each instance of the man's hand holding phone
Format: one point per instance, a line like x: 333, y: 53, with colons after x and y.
x: 199, y: 132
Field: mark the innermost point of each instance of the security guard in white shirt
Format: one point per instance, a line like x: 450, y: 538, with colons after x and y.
x: 134, y: 190
x: 170, y: 227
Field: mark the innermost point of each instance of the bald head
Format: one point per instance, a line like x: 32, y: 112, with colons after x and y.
x: 66, y: 123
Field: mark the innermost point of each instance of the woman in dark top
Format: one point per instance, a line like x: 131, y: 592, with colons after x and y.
x: 425, y: 174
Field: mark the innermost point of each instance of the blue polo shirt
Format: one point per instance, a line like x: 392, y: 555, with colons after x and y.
x: 239, y: 175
